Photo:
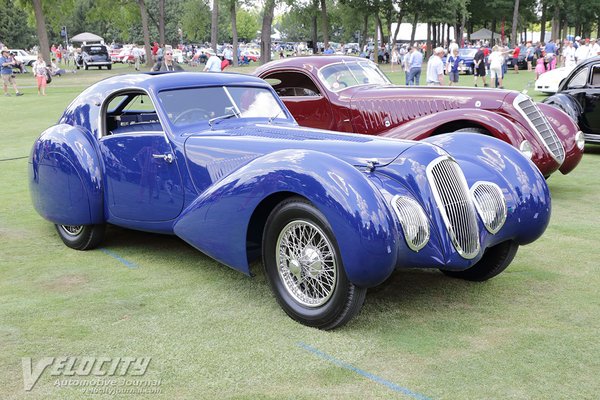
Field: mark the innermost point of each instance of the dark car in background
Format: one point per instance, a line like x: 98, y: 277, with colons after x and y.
x: 466, y: 64
x: 579, y: 96
x: 95, y: 55
x: 521, y: 60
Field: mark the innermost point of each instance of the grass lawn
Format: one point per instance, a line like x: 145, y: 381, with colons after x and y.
x: 211, y: 332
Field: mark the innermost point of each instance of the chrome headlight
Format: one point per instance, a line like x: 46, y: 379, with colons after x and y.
x: 525, y: 148
x: 413, y: 220
x: 490, y: 205
x: 580, y: 140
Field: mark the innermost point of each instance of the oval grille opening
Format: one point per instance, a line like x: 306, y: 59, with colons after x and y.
x: 452, y: 195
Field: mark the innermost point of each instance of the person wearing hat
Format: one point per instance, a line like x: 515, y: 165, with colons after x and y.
x: 213, y: 64
x: 6, y: 70
x: 167, y: 63
x: 435, y: 68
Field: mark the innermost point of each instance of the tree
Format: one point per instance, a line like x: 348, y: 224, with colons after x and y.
x: 161, y: 22
x: 40, y: 26
x: 144, y: 17
x: 234, y: 32
x: 325, y: 23
x: 247, y: 25
x: 265, y: 33
x: 513, y: 36
x: 14, y: 30
x: 214, y: 25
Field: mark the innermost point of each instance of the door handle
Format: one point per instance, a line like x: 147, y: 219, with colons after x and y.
x: 167, y: 157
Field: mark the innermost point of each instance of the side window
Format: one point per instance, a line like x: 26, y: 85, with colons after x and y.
x: 290, y: 84
x: 579, y: 80
x: 596, y: 76
x: 131, y: 112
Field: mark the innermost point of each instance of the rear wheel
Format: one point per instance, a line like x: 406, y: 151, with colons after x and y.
x: 304, y: 268
x: 81, y: 237
x: 495, y: 260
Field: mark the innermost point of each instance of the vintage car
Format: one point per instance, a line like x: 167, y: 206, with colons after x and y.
x: 94, y: 55
x: 549, y: 81
x: 218, y: 160
x: 23, y: 57
x: 351, y: 94
x: 466, y: 65
x: 579, y: 96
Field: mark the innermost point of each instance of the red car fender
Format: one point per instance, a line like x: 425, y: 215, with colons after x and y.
x: 454, y: 120
x: 564, y: 127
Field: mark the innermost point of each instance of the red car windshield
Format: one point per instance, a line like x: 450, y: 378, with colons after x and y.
x: 347, y: 74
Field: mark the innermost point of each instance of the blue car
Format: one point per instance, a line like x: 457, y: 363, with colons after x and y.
x: 467, y: 63
x: 218, y: 160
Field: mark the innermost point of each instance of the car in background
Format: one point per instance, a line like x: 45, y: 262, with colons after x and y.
x: 351, y: 94
x: 579, y: 96
x: 250, y: 55
x: 217, y: 160
x: 549, y: 81
x: 23, y: 56
x: 521, y: 60
x: 94, y: 55
x: 467, y: 63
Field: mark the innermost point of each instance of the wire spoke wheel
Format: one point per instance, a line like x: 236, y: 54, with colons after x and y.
x: 306, y: 263
x: 72, y: 230
x: 304, y: 266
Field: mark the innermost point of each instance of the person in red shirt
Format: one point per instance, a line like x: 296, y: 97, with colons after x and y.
x: 515, y: 55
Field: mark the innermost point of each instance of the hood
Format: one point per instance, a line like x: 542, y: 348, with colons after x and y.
x: 217, y: 153
x: 411, y: 102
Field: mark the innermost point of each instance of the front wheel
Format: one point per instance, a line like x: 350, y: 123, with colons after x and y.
x: 81, y: 237
x: 495, y: 260
x: 304, y: 267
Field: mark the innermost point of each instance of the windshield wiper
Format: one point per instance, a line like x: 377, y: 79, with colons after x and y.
x: 275, y: 116
x: 223, y: 117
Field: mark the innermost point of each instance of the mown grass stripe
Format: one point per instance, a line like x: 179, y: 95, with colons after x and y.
x: 123, y: 261
x: 368, y: 375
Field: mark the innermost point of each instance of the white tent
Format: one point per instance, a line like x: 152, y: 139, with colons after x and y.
x: 87, y: 37
x: 484, y: 34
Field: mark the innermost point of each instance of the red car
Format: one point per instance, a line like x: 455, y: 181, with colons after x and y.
x: 351, y: 94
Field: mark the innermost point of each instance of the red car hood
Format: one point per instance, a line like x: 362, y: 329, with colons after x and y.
x: 422, y: 100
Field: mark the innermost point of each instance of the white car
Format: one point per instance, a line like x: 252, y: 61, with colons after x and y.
x: 548, y: 81
x: 23, y: 56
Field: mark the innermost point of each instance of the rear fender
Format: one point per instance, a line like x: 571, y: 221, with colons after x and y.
x: 217, y: 222
x: 65, y: 178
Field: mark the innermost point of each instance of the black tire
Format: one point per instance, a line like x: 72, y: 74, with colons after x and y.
x: 109, y: 67
x: 294, y: 284
x: 85, y: 66
x: 81, y: 237
x: 495, y: 260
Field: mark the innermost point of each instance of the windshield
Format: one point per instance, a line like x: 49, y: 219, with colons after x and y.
x: 92, y: 50
x: 347, y: 74
x: 214, y: 104
x: 467, y: 52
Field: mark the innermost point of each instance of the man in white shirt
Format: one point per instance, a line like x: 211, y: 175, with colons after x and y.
x: 595, y: 48
x: 435, y: 68
x: 582, y: 52
x: 213, y: 64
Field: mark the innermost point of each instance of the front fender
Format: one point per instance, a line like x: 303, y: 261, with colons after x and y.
x: 216, y: 223
x: 453, y: 120
x: 566, y: 129
x: 524, y: 187
x: 65, y: 178
x: 566, y: 103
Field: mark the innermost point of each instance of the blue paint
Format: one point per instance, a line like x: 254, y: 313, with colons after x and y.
x: 123, y: 261
x: 374, y: 378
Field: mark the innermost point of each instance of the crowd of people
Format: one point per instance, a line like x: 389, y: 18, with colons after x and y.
x: 489, y: 61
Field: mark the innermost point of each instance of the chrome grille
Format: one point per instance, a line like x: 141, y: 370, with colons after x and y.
x: 454, y: 202
x: 490, y: 204
x: 541, y: 127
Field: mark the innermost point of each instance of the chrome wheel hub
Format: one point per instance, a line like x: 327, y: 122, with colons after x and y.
x: 306, y: 263
x: 72, y: 230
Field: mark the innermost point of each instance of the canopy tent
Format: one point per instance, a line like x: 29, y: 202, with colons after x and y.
x: 483, y: 34
x: 87, y: 37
